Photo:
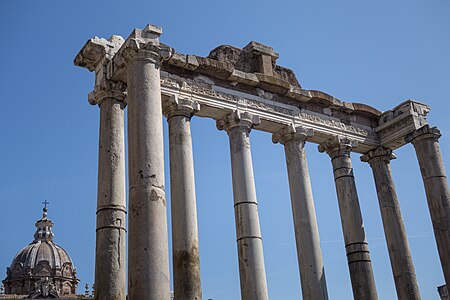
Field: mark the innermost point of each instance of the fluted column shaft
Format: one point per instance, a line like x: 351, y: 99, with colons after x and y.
x: 394, y: 229
x: 428, y: 151
x: 309, y: 254
x: 358, y: 257
x: 248, y: 233
x: 186, y: 259
x: 110, y: 252
x: 148, y: 268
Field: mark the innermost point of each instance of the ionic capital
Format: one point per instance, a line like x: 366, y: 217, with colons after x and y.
x: 424, y: 133
x: 143, y: 44
x: 240, y: 119
x: 292, y: 132
x: 108, y: 89
x: 338, y: 146
x: 180, y: 107
x: 381, y: 153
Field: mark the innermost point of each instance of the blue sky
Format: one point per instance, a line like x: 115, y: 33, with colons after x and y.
x: 380, y: 53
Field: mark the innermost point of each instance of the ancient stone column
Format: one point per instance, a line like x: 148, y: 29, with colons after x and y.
x: 186, y: 259
x: 358, y: 257
x: 428, y: 151
x: 309, y: 254
x: 248, y: 233
x: 110, y: 252
x: 148, y: 261
x: 394, y: 229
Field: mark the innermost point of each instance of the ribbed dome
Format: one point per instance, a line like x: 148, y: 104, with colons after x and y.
x: 41, y: 259
x: 42, y: 250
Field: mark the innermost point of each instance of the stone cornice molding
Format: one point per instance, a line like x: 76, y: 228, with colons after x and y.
x: 237, y: 118
x: 108, y: 90
x: 338, y: 146
x: 97, y: 52
x: 95, y: 56
x: 381, y: 153
x: 397, y: 123
x: 292, y: 132
x: 262, y: 77
x: 176, y: 106
x: 424, y: 133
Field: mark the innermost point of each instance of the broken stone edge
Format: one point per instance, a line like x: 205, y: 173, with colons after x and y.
x: 226, y: 71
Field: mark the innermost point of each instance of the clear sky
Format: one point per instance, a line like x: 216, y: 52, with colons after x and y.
x: 375, y: 52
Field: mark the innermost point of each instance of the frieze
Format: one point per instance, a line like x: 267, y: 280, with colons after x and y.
x: 335, y: 124
x: 267, y: 107
x: 195, y: 88
x: 166, y: 81
x: 204, y: 90
x: 405, y: 123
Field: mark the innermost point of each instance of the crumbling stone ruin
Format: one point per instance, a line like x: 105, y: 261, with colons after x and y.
x: 243, y: 90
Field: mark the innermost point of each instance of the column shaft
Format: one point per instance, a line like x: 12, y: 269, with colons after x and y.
x: 248, y: 233
x: 426, y: 144
x: 394, y: 229
x: 186, y: 259
x: 148, y: 269
x: 356, y: 246
x: 309, y: 253
x: 110, y: 253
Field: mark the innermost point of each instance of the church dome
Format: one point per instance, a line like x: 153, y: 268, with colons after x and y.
x: 41, y: 259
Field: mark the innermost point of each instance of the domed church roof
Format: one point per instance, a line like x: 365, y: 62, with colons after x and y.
x: 41, y: 259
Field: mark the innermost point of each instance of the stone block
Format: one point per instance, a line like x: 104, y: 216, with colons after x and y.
x: 273, y: 84
x: 244, y: 78
x: 298, y: 94
x: 214, y: 68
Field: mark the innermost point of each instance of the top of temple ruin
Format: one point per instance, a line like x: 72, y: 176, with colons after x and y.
x: 254, y: 66
x: 249, y: 79
x: 254, y: 58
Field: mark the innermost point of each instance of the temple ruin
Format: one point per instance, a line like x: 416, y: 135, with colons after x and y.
x: 243, y: 90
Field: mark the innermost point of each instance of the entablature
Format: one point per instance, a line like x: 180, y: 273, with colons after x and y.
x: 397, y: 123
x: 218, y: 101
x: 249, y: 80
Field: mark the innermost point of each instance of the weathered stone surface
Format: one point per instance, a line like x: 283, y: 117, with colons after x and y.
x: 394, y: 229
x: 248, y: 234
x: 110, y: 269
x: 299, y: 94
x: 110, y: 253
x: 266, y: 57
x: 428, y: 151
x: 358, y: 257
x: 216, y: 100
x: 254, y: 58
x: 210, y: 66
x: 107, y: 89
x: 244, y: 78
x: 148, y: 261
x: 366, y: 109
x: 396, y: 124
x: 286, y: 75
x: 273, y: 84
x: 309, y: 254
x: 142, y: 44
x: 96, y: 51
x: 186, y: 258
x: 178, y: 60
